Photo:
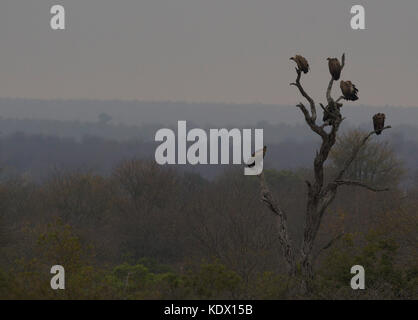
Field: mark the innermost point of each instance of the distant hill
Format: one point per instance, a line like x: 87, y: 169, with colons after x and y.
x: 166, y: 113
x: 36, y: 136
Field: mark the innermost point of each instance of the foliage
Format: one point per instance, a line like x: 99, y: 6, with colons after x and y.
x: 376, y: 163
x: 213, y: 280
x: 124, y: 237
x: 384, y: 279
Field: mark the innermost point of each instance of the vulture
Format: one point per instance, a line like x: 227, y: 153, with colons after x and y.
x: 334, y: 68
x: 349, y: 90
x: 302, y: 63
x: 331, y: 112
x: 255, y: 155
x: 379, y: 122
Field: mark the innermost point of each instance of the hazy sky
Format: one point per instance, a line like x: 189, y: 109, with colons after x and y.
x: 206, y: 50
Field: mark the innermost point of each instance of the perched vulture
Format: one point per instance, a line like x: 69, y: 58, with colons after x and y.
x: 331, y: 112
x: 302, y: 63
x: 327, y: 115
x: 255, y: 155
x: 379, y: 122
x: 334, y: 68
x: 349, y: 90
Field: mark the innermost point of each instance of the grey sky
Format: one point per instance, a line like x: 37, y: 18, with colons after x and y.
x: 206, y: 50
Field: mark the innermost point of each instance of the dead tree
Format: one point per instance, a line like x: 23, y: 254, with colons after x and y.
x: 320, y: 194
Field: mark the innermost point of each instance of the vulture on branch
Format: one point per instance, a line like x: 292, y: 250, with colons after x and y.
x: 349, y: 90
x: 379, y: 122
x: 334, y: 68
x: 302, y: 63
x: 331, y: 112
x: 255, y: 155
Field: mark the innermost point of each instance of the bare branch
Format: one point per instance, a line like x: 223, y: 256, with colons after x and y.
x: 355, y: 152
x: 281, y: 220
x: 339, y: 99
x: 329, y: 99
x: 328, y: 194
x: 328, y: 245
x: 359, y: 184
x: 311, y: 123
x: 305, y: 95
x: 327, y: 197
x: 331, y: 242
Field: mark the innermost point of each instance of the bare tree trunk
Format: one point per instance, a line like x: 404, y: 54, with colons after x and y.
x: 319, y: 196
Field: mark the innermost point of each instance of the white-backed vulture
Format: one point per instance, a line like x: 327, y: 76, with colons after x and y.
x: 349, y: 90
x: 334, y: 68
x: 301, y: 62
x: 379, y: 122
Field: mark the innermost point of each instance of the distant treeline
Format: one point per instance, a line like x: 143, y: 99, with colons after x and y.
x: 37, y: 155
x: 37, y: 146
x: 168, y: 112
